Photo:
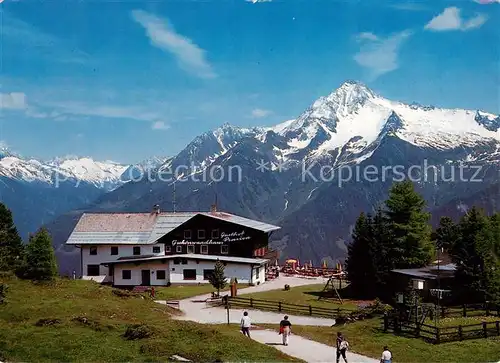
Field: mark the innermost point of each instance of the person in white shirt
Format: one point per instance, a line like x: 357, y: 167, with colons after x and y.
x: 386, y: 356
x: 246, y: 324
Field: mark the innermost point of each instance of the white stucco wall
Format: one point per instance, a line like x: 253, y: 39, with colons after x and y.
x: 240, y: 271
x: 104, y: 255
x: 136, y: 274
x: 259, y: 275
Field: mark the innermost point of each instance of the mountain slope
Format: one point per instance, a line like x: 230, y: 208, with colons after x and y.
x: 316, y: 173
x: 38, y: 191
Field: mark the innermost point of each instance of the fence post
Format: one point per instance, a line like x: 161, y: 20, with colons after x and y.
x: 279, y: 306
x: 443, y: 312
x: 438, y: 335
x: 485, y: 329
x: 417, y: 330
x: 497, y: 323
x: 251, y: 302
x: 386, y: 323
x: 464, y: 311
x: 487, y: 309
x: 310, y: 310
x: 460, y: 332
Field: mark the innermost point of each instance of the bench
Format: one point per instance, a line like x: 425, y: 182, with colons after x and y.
x: 141, y: 289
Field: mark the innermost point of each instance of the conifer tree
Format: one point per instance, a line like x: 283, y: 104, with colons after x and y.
x: 217, y: 278
x: 409, y: 225
x: 361, y: 264
x: 386, y: 253
x: 476, y: 256
x: 446, y: 234
x: 11, y: 245
x: 40, y: 260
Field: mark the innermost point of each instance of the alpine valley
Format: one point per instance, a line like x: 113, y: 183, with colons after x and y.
x: 312, y: 175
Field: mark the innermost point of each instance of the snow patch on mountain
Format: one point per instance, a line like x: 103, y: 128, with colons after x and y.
x: 106, y: 175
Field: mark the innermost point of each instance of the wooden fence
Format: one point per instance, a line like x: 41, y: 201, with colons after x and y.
x: 470, y: 310
x: 279, y: 306
x: 439, y: 335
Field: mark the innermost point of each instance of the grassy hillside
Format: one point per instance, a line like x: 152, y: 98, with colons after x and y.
x: 89, y: 322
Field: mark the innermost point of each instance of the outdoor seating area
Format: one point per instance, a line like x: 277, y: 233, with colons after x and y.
x: 292, y: 267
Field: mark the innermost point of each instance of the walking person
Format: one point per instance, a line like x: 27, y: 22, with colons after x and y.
x: 386, y: 356
x: 246, y: 324
x: 285, y: 329
x: 342, y: 346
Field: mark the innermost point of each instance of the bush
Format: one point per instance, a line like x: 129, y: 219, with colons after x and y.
x: 137, y: 331
x: 7, y: 275
x: 3, y: 293
x: 95, y: 325
x: 122, y: 293
x: 47, y: 322
x: 377, y: 308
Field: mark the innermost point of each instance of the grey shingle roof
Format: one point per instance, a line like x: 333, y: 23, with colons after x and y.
x: 111, y: 238
x: 143, y: 228
x: 250, y: 223
x: 165, y: 223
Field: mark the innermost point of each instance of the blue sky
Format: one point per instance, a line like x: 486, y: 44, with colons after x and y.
x: 124, y: 80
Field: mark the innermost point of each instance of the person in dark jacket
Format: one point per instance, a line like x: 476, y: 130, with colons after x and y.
x: 285, y: 329
x: 342, y: 346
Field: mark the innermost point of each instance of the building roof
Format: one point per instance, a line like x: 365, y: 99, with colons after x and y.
x: 167, y: 222
x: 242, y: 221
x: 415, y: 272
x: 190, y: 256
x: 143, y: 228
x: 429, y: 272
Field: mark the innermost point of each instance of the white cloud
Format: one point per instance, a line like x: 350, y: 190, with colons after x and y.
x: 475, y: 22
x: 380, y: 55
x: 160, y: 125
x: 13, y: 101
x: 410, y: 6
x: 260, y: 113
x: 258, y: 1
x: 189, y: 56
x: 60, y: 111
x: 451, y: 19
x: 485, y: 2
x: 367, y: 36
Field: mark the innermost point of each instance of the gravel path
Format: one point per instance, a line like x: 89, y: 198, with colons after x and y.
x: 196, y: 310
x: 305, y: 349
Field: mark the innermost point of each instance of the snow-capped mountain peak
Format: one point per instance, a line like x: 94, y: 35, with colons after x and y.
x: 350, y: 94
x: 106, y: 175
x: 353, y: 118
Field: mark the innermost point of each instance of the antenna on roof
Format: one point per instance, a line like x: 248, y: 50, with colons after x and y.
x: 213, y: 209
x: 173, y: 201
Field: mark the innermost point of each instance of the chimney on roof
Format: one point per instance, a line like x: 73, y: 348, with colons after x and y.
x: 156, y: 209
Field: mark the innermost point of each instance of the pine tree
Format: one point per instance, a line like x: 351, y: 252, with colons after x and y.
x: 40, y: 260
x: 11, y: 245
x: 361, y: 263
x: 217, y: 278
x: 446, y: 234
x: 409, y: 225
x: 385, y: 251
x: 476, y: 255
